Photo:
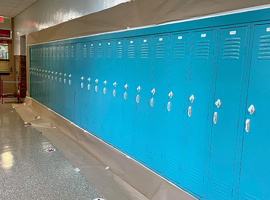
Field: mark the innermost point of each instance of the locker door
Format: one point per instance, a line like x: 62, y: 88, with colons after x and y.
x: 118, y: 92
x: 45, y: 77
x: 107, y: 90
x: 158, y: 102
x: 255, y: 174
x: 130, y: 92
x: 145, y: 61
x: 31, y: 70
x: 69, y: 82
x: 81, y: 81
x: 175, y: 106
x: 63, y: 81
x: 90, y: 87
x: 198, y: 110
x: 51, y: 54
x: 230, y: 71
x: 98, y: 106
x: 61, y: 66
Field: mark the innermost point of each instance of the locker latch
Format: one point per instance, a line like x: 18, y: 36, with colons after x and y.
x: 60, y: 74
x: 65, y: 75
x: 153, y: 91
x: 171, y: 95
x: 192, y: 98
x: 89, y: 79
x: 70, y: 76
x: 251, y: 109
x: 82, y: 78
x: 218, y: 103
x: 139, y: 88
x: 114, y: 84
x: 55, y: 73
x: 96, y: 80
x: 105, y: 82
x: 126, y: 86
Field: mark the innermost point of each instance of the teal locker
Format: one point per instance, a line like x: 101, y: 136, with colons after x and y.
x: 158, y: 102
x: 179, y: 54
x: 145, y: 62
x: 255, y: 174
x: 194, y: 155
x: 118, y: 92
x: 107, y: 90
x: 230, y: 72
x: 129, y: 96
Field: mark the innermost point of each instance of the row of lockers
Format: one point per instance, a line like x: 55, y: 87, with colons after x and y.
x: 192, y: 105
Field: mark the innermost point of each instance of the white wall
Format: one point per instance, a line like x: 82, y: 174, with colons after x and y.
x: 46, y: 13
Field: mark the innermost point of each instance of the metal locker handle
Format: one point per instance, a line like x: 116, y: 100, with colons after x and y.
x: 215, y: 118
x: 189, y: 111
x: 251, y: 109
x: 60, y: 80
x: 88, y: 86
x: 104, y: 90
x: 65, y: 81
x: 69, y: 82
x: 169, y: 106
x: 114, y: 93
x: 247, y: 125
x: 137, y: 98
x: 152, y: 102
x: 96, y: 88
x: 81, y: 85
x: 125, y: 95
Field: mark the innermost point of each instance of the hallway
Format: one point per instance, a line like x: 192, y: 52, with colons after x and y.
x: 28, y: 171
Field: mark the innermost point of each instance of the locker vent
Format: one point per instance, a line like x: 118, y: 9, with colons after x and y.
x: 144, y: 51
x: 85, y: 51
x: 99, y: 52
x: 203, y: 49
x: 264, y: 48
x: 131, y: 51
x: 140, y: 148
x: 250, y: 197
x: 91, y: 52
x: 179, y: 51
x: 193, y: 176
x: 66, y: 52
x: 72, y: 52
x: 160, y: 51
x: 62, y: 52
x: 219, y: 189
x: 231, y: 49
x: 172, y: 165
x: 154, y: 155
x: 109, y: 52
x: 119, y: 51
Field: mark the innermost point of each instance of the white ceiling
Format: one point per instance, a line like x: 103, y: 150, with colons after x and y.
x: 11, y: 8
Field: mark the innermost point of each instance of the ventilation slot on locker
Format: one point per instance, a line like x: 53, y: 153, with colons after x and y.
x: 144, y: 51
x: 62, y: 52
x: 99, y: 52
x: 91, y: 52
x: 231, y: 49
x: 109, y: 52
x: 160, y: 51
x: 140, y: 147
x: 264, y: 48
x: 131, y: 51
x: 119, y: 51
x: 203, y: 49
x: 219, y: 189
x: 179, y: 51
x: 172, y: 165
x: 66, y: 52
x: 193, y: 176
x: 72, y: 51
x: 84, y: 51
x: 250, y: 197
x: 154, y: 155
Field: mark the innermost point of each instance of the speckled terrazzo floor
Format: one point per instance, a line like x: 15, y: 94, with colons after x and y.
x: 28, y: 172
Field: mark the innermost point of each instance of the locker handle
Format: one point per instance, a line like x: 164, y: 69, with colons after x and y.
x: 114, y: 93
x: 247, y: 125
x: 169, y: 106
x: 189, y: 111
x: 137, y: 98
x: 152, y: 102
x: 104, y: 90
x: 215, y: 118
x: 125, y: 95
